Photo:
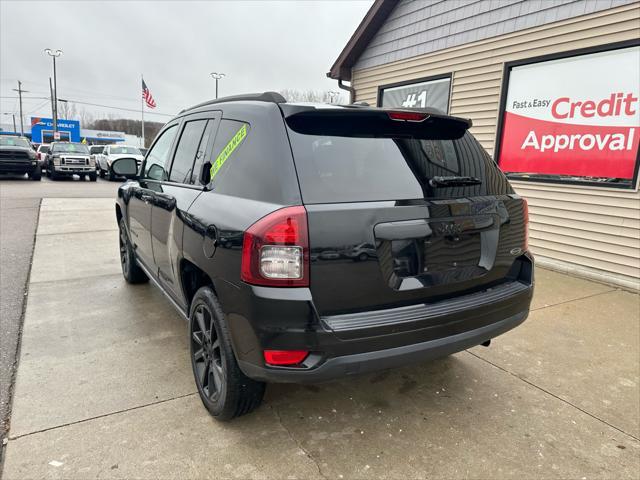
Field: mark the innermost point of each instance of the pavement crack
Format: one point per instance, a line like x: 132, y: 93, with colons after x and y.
x: 77, y: 232
x: 58, y: 280
x: 104, y: 415
x: 572, y: 300
x: 564, y: 400
x: 276, y: 413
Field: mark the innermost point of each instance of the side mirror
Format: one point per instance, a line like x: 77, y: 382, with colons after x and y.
x: 205, y: 173
x: 124, y: 167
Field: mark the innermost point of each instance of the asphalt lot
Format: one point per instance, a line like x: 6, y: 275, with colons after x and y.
x: 19, y: 207
x: 104, y: 388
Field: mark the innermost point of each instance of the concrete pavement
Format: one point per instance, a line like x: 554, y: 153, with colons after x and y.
x: 19, y: 206
x: 104, y: 388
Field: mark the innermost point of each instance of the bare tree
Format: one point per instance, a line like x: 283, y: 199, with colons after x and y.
x: 328, y: 96
x: 67, y: 109
x: 86, y: 118
x: 128, y: 126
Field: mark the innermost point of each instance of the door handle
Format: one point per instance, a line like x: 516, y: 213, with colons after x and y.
x: 403, y: 230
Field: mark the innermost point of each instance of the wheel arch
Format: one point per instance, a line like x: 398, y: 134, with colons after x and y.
x: 193, y: 278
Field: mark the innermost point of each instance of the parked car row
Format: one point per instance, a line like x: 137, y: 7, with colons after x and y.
x: 61, y: 159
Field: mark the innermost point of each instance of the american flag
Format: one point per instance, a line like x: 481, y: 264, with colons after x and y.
x: 148, y: 98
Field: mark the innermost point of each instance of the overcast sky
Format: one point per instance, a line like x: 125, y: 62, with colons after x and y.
x: 259, y: 45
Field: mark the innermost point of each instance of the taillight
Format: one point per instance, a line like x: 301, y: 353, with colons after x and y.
x: 284, y: 357
x: 275, y: 250
x: 525, y: 214
x: 408, y: 116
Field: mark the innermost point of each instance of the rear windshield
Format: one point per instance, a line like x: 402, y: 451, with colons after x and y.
x: 44, y: 149
x: 355, y: 169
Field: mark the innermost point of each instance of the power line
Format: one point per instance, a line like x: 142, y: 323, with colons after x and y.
x: 40, y: 105
x: 93, y: 105
x: 117, y: 108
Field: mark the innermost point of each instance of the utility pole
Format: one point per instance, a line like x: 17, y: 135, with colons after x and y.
x: 20, y: 92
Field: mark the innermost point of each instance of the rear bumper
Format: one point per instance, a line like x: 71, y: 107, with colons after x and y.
x: 339, y: 345
x: 340, y: 367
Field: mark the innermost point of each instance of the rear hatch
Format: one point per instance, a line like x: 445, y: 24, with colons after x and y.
x: 403, y: 208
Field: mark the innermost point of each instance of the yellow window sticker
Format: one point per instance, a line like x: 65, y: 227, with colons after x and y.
x: 228, y: 150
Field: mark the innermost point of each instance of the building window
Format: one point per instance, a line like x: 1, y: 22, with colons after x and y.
x: 432, y: 92
x: 572, y: 118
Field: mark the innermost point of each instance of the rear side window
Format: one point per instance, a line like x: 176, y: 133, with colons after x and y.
x: 355, y: 169
x: 226, y: 172
x: 186, y: 151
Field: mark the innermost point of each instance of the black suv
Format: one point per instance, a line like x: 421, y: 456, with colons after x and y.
x: 18, y: 157
x: 305, y: 243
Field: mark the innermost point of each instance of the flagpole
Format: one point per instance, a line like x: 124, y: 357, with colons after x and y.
x: 142, y: 112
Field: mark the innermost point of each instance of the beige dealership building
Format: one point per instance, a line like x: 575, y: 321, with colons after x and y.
x: 552, y: 88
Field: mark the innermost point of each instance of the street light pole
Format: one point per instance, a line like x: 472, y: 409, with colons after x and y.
x: 217, y: 76
x: 54, y: 54
x: 333, y: 94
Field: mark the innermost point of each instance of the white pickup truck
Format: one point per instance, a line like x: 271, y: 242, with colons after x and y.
x: 113, y: 152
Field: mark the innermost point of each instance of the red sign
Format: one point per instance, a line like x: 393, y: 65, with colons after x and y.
x: 577, y: 116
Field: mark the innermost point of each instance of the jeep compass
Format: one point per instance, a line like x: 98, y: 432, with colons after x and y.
x: 307, y: 242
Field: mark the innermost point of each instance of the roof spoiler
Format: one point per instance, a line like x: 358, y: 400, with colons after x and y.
x: 377, y: 122
x: 272, y: 97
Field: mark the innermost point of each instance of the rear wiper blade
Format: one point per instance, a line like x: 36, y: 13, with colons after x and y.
x: 453, y: 181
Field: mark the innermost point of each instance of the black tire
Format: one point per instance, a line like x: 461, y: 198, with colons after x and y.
x: 131, y: 271
x: 101, y: 173
x: 52, y: 174
x: 93, y: 176
x: 225, y: 391
x: 112, y: 177
x: 36, y: 174
x: 48, y: 172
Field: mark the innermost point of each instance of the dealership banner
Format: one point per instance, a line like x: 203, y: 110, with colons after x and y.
x: 575, y: 117
x: 42, y: 129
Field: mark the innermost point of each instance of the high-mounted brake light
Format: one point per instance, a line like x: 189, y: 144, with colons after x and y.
x: 408, y: 116
x: 275, y: 250
x: 284, y: 357
x: 525, y: 214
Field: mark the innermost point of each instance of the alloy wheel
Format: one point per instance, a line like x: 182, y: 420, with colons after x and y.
x: 124, y: 251
x: 206, y: 353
